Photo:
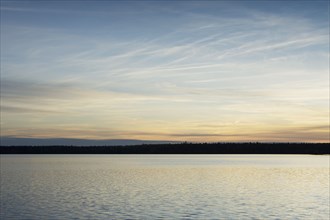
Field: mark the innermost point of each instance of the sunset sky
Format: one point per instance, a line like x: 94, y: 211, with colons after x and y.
x: 166, y: 70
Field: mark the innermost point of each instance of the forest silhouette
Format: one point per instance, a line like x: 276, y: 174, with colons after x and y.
x: 182, y: 148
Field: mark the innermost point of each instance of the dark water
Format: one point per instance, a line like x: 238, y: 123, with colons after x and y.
x: 164, y: 186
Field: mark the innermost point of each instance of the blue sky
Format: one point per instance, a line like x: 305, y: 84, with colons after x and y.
x: 169, y: 70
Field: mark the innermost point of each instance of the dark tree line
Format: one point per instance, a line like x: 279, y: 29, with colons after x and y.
x: 183, y: 148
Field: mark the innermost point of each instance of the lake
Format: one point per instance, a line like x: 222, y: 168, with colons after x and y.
x: 165, y: 187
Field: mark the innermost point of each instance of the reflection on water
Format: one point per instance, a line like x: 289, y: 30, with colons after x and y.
x: 164, y: 186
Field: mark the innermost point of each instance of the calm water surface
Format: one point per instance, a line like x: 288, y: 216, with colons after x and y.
x: 164, y: 186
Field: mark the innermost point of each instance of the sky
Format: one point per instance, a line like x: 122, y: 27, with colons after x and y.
x: 200, y: 71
